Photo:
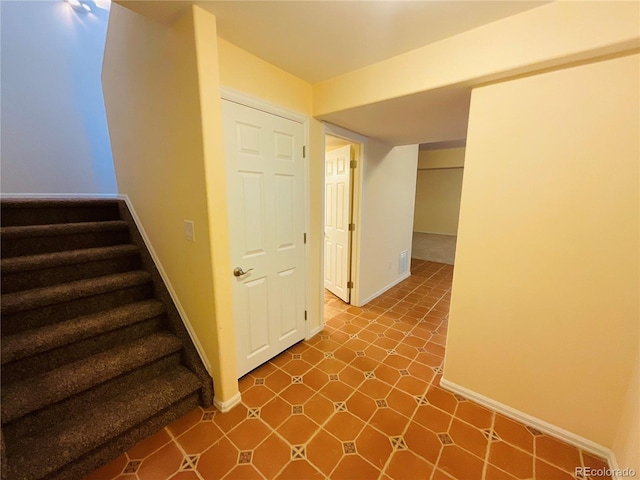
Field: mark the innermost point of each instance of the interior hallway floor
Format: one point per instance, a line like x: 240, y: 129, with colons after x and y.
x: 361, y: 400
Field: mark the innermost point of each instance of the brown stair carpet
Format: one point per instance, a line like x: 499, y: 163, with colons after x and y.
x: 95, y: 356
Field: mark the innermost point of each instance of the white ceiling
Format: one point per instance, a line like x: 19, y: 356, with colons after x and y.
x: 434, y: 116
x: 317, y: 40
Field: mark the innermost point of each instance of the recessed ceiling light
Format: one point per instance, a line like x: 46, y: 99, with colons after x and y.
x: 78, y: 6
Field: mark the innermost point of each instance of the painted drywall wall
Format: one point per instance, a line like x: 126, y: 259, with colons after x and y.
x: 54, y: 136
x: 543, y: 37
x: 388, y: 197
x: 626, y: 446
x: 544, y: 310
x: 438, y: 191
x: 206, y: 51
x: 246, y: 73
x: 161, y: 94
x: 441, y: 158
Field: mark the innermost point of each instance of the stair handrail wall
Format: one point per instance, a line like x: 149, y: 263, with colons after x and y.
x: 179, y: 323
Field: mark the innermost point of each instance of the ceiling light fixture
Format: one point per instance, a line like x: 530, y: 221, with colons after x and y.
x: 79, y: 6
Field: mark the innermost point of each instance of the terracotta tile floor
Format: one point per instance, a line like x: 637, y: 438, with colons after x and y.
x: 361, y: 400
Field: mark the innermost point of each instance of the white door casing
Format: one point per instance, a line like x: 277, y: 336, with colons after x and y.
x: 265, y: 178
x: 337, y: 216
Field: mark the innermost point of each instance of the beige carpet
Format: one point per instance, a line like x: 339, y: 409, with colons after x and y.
x: 434, y: 247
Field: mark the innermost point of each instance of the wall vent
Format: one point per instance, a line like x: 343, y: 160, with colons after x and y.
x: 403, y: 262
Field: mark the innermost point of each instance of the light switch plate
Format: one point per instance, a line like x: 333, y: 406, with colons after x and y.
x: 189, y: 231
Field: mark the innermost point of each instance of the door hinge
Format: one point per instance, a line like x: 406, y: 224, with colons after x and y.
x: 305, y: 315
x: 354, y: 163
x: 304, y: 151
x: 305, y: 237
x: 352, y: 227
x: 349, y: 284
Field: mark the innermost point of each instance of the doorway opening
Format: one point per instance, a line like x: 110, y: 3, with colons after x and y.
x: 343, y: 165
x: 437, y: 205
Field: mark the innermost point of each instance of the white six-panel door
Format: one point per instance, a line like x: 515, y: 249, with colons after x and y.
x: 265, y: 181
x: 337, y: 216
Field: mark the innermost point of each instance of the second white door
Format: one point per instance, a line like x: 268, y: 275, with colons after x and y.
x: 265, y: 181
x: 337, y: 217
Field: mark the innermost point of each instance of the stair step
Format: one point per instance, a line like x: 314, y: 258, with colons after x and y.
x: 47, y: 417
x: 37, y: 271
x: 73, y: 352
x: 23, y: 397
x: 67, y: 292
x: 45, y: 211
x: 36, y: 341
x: 39, y: 239
x: 35, y: 457
x: 69, y: 257
x: 47, y: 230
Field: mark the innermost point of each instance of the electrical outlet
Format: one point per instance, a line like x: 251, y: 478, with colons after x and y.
x: 189, y: 231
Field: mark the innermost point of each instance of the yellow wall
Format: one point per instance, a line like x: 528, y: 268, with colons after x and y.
x: 627, y: 443
x: 441, y: 158
x: 246, y: 73
x: 546, y: 36
x: 153, y: 96
x: 544, y: 311
x: 204, y: 26
x: 438, y: 190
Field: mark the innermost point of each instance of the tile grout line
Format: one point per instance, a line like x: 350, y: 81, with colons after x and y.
x: 489, y: 445
x: 182, y: 450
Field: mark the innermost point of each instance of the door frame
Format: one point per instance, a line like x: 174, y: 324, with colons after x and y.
x: 242, y: 98
x: 360, y: 143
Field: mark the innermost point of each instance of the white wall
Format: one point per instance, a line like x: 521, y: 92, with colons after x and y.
x: 54, y: 135
x: 389, y: 188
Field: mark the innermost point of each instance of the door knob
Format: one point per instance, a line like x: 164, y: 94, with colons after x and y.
x: 238, y: 272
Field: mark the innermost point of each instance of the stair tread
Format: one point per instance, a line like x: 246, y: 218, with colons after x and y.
x: 58, y: 202
x: 67, y: 257
x: 39, y: 340
x: 61, y: 228
x: 51, y: 450
x: 65, y: 292
x: 25, y: 396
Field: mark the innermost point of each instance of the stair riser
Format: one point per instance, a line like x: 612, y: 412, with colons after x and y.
x: 20, y: 216
x: 15, y: 282
x: 35, y: 422
x: 14, y: 247
x: 36, y: 364
x: 111, y: 450
x: 39, y: 317
x: 77, y: 418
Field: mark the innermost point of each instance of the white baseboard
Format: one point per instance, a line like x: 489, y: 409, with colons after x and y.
x: 545, y: 427
x: 382, y: 290
x: 92, y: 196
x: 167, y: 282
x: 224, y: 407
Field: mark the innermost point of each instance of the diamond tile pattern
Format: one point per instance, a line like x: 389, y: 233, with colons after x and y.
x: 362, y: 399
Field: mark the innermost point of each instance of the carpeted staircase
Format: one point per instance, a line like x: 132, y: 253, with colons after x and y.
x: 95, y: 356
